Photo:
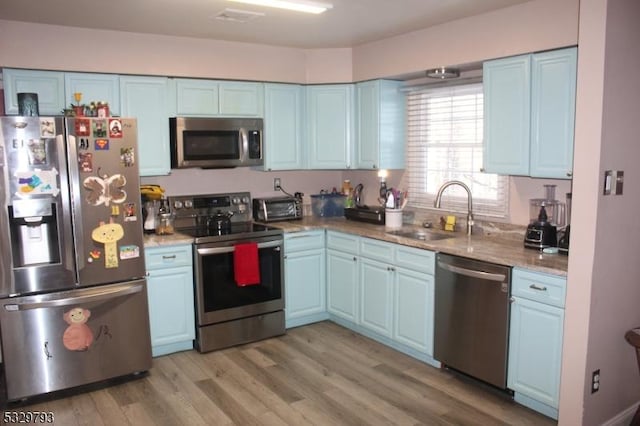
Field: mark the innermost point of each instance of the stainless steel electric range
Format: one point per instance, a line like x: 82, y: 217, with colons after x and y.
x: 228, y: 313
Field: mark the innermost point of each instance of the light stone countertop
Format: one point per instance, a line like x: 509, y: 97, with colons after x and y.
x: 489, y: 249
x: 153, y: 240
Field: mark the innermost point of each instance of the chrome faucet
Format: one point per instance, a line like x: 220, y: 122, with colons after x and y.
x: 444, y: 186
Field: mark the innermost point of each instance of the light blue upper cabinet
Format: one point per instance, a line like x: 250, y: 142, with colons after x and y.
x: 284, y: 127
x: 507, y: 111
x: 197, y: 97
x: 147, y: 100
x: 48, y: 85
x: 529, y: 108
x: 212, y: 98
x: 330, y: 129
x: 241, y: 99
x: 553, y: 105
x: 94, y: 88
x: 380, y: 137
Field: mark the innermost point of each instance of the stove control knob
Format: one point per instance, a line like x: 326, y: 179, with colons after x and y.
x: 188, y: 204
x: 242, y: 208
x: 177, y: 205
x: 245, y: 200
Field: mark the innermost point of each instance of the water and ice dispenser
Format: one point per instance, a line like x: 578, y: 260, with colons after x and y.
x: 34, y: 232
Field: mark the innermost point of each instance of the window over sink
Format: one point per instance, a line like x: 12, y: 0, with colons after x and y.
x: 445, y: 129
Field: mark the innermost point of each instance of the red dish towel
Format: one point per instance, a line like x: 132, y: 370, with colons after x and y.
x: 246, y: 267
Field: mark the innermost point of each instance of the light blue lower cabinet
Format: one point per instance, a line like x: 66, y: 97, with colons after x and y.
x: 376, y: 296
x: 413, y: 310
x: 535, y: 339
x: 368, y: 293
x: 305, y: 287
x: 171, y: 302
x: 342, y: 285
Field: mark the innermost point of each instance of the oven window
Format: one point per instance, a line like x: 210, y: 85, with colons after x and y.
x: 220, y: 289
x: 211, y: 145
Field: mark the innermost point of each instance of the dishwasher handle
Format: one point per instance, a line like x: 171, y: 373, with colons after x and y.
x: 472, y: 272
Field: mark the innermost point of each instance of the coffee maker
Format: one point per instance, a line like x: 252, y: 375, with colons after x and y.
x: 547, y: 214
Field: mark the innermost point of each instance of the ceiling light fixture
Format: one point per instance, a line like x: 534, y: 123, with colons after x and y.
x: 443, y: 73
x: 297, y: 5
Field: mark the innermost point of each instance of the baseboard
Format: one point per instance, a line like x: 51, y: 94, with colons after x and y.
x: 624, y: 418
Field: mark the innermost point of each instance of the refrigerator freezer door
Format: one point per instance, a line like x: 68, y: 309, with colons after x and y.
x: 35, y: 225
x: 60, y: 340
x: 105, y: 192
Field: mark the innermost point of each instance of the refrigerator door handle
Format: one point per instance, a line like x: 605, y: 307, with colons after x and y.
x: 472, y: 273
x: 95, y: 295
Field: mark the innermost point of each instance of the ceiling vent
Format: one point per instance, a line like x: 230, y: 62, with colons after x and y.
x: 236, y: 15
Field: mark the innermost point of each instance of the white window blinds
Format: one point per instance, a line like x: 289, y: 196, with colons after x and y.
x: 445, y: 143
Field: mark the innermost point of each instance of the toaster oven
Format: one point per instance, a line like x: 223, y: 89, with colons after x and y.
x: 272, y: 209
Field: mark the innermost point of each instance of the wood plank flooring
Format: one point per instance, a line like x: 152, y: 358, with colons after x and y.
x: 320, y: 374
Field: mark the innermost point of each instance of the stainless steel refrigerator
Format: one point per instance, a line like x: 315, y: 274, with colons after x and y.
x: 73, y: 301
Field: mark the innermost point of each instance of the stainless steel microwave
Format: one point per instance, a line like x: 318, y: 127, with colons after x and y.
x: 209, y: 142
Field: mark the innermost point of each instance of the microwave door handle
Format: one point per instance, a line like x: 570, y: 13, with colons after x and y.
x: 244, y: 146
x: 229, y: 249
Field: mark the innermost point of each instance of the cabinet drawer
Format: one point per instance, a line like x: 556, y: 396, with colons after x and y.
x: 541, y: 287
x: 343, y: 242
x: 417, y: 259
x: 168, y: 257
x: 299, y: 241
x: 378, y: 250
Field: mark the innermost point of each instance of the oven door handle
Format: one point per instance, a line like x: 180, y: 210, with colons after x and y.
x: 204, y: 251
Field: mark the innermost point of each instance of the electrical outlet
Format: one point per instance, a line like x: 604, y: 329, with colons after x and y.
x: 276, y: 184
x: 595, y: 381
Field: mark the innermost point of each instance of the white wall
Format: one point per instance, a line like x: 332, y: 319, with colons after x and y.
x: 603, y: 290
x: 527, y: 27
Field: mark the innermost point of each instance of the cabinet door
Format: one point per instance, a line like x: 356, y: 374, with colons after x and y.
x: 342, y: 285
x: 330, y: 127
x: 507, y: 113
x: 413, y: 310
x: 380, y: 136
x: 283, y: 125
x: 376, y: 296
x: 146, y: 99
x: 49, y: 85
x: 553, y: 102
x: 241, y: 99
x: 171, y: 308
x: 197, y: 97
x: 535, y: 350
x: 304, y: 283
x: 94, y: 88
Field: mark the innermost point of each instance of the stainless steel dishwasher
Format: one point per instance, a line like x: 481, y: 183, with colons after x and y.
x: 472, y: 317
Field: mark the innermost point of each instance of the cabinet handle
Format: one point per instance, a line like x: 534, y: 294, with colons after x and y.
x: 537, y: 287
x: 391, y: 268
x: 168, y: 257
x: 569, y: 174
x: 285, y: 256
x: 512, y: 299
x: 482, y: 169
x: 355, y: 258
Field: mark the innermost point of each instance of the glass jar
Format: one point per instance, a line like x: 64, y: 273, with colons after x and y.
x: 164, y: 224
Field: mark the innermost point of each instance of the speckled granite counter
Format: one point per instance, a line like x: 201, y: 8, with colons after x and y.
x: 490, y: 249
x: 153, y: 240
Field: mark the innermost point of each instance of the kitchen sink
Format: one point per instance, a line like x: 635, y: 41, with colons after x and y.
x: 420, y: 235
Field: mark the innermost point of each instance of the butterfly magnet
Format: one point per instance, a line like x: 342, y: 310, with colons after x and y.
x: 105, y: 190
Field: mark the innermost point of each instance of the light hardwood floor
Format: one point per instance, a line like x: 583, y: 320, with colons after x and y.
x: 320, y: 374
